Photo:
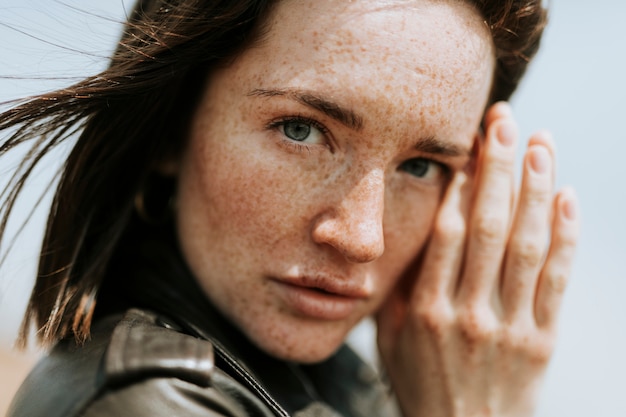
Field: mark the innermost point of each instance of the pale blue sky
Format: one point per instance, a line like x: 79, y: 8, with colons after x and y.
x: 575, y: 88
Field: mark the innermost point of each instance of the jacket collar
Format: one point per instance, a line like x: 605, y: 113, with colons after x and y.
x: 155, y: 277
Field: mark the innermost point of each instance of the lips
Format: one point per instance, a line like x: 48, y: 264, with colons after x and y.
x: 324, y: 298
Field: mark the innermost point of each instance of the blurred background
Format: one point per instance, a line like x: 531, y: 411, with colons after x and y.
x: 575, y: 88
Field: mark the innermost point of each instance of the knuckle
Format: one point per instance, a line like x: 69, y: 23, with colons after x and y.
x: 433, y: 317
x: 536, y: 350
x: 536, y: 197
x: 542, y: 350
x: 567, y: 242
x: 528, y: 345
x: 540, y: 355
x: 526, y: 253
x: 557, y: 281
x: 477, y: 326
x: 449, y: 229
x: 489, y: 230
x: 499, y: 162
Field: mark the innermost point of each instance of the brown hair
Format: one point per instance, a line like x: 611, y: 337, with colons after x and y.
x: 134, y: 115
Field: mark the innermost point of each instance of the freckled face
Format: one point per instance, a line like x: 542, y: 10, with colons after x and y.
x: 317, y: 161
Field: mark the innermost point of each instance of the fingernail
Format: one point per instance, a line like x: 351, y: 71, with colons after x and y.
x: 539, y: 159
x: 503, y: 108
x: 569, y: 205
x: 507, y: 133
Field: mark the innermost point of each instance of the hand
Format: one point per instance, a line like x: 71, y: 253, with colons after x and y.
x: 475, y: 332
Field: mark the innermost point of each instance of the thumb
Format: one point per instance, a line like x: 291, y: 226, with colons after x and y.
x: 391, y: 316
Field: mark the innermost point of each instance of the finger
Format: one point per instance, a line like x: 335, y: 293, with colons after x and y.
x: 391, y: 316
x: 529, y: 235
x: 389, y: 320
x: 490, y: 214
x: 444, y: 254
x: 558, y: 264
x: 544, y: 138
x: 499, y: 110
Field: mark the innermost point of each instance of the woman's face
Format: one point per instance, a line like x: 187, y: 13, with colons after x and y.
x: 317, y: 161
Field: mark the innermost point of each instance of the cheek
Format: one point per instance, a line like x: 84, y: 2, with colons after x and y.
x: 408, y: 225
x: 243, y: 193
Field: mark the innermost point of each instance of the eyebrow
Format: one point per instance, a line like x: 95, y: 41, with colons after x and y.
x: 318, y: 102
x: 433, y: 145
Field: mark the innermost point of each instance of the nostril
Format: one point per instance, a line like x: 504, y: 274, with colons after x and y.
x: 358, y: 242
x: 364, y: 253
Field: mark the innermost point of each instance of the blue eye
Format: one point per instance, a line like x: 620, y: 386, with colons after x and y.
x: 424, y: 168
x: 297, y: 131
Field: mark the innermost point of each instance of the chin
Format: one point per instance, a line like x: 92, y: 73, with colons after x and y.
x: 304, y: 345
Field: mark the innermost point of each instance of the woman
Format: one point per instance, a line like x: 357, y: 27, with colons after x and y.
x: 251, y: 179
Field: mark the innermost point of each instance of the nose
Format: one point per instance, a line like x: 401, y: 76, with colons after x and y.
x: 354, y: 226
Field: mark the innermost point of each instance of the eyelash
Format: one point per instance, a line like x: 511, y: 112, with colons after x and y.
x: 299, y: 146
x: 444, y: 169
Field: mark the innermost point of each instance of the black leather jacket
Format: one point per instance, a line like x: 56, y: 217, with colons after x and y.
x: 164, y: 351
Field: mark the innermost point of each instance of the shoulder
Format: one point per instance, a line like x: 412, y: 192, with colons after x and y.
x: 144, y: 344
x: 138, y: 364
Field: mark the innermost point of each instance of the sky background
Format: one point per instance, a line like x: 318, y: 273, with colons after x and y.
x: 575, y: 88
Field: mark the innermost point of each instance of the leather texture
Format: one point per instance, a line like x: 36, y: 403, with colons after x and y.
x: 159, y: 348
x: 141, y: 365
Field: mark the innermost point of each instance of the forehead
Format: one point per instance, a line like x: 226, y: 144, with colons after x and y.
x: 389, y: 54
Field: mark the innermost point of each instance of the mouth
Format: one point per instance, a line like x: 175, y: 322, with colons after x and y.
x: 320, y: 297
